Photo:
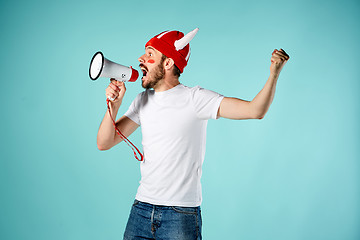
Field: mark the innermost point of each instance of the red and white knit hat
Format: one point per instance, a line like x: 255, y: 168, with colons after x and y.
x: 175, y: 45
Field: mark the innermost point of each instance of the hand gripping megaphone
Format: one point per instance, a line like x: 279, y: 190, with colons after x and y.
x: 102, y: 67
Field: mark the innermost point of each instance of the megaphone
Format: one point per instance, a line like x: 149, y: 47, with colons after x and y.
x: 102, y: 67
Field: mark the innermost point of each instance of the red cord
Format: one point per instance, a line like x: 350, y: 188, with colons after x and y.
x: 128, y: 142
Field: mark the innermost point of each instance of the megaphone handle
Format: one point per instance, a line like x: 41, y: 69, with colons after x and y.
x: 110, y: 98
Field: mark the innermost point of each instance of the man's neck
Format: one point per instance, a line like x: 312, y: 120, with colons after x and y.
x: 166, y: 83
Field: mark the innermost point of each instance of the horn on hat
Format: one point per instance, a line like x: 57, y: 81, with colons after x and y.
x: 181, y: 43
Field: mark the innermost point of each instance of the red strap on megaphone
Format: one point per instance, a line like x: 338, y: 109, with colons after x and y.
x: 128, y: 142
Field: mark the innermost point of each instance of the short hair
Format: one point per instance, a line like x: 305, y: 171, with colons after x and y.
x: 176, y: 70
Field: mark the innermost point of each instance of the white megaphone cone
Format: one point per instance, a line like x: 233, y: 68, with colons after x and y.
x: 102, y: 67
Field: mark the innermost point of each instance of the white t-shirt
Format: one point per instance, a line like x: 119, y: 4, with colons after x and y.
x: 173, y: 125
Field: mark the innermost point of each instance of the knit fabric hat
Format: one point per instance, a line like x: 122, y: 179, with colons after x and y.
x: 175, y: 45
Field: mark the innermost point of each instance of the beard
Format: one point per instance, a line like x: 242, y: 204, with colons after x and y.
x: 158, y: 74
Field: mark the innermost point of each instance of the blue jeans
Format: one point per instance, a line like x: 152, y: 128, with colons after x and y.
x: 148, y: 221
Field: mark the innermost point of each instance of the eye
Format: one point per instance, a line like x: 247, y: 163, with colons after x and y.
x: 150, y: 54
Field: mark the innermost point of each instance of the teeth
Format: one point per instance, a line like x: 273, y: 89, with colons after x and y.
x: 144, y: 71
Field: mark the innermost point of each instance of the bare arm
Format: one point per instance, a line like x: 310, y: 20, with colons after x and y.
x: 107, y: 137
x: 234, y: 108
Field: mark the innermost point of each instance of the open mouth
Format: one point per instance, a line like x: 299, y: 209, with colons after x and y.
x: 144, y: 70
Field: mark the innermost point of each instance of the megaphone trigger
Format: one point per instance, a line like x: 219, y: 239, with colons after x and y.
x: 110, y: 98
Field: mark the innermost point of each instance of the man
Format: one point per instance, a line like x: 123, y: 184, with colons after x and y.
x: 173, y: 120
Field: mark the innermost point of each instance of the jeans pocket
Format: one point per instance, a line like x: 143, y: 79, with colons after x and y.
x: 186, y: 210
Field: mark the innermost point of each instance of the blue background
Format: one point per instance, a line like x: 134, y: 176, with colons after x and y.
x: 293, y: 175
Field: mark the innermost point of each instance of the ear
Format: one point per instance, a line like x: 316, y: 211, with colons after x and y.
x: 169, y: 63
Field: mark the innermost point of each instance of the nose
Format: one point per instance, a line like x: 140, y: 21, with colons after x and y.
x: 141, y: 59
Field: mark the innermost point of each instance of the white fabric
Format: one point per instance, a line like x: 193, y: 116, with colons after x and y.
x: 173, y: 125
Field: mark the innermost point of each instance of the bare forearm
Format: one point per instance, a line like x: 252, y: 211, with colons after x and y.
x: 261, y: 103
x: 106, y: 134
x: 234, y: 108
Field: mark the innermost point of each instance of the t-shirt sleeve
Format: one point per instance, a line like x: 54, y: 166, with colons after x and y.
x: 133, y: 111
x: 206, y: 103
